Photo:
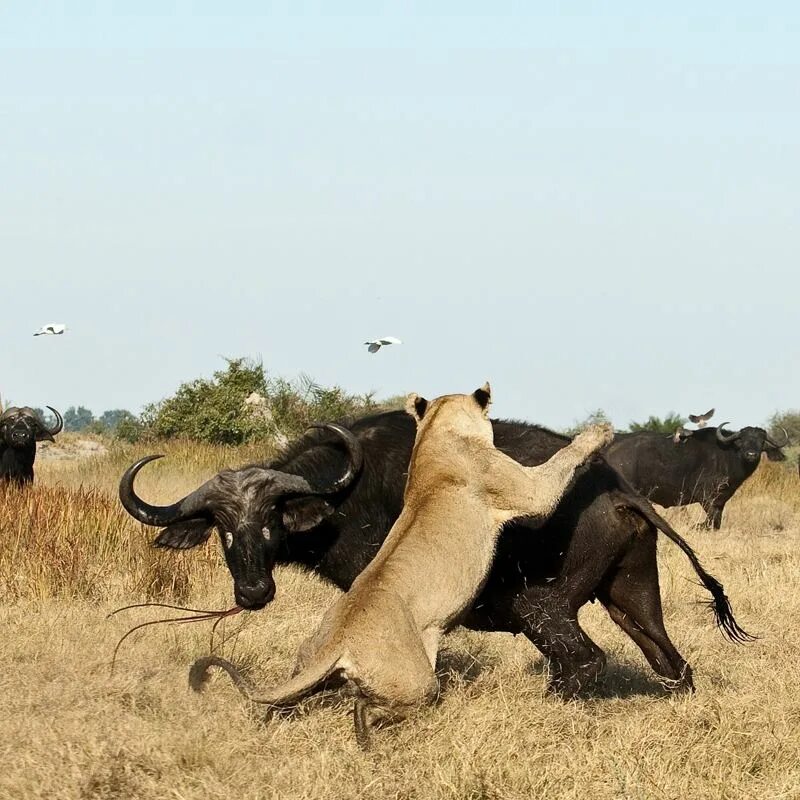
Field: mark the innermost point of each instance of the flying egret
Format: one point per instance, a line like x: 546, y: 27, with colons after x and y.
x: 51, y: 329
x: 375, y: 344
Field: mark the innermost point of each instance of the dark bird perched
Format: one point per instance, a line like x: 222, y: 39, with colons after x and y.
x: 329, y: 501
x: 680, y: 434
x: 701, y: 419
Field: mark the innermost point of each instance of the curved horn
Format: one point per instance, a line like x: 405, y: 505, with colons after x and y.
x: 59, y: 426
x: 722, y: 438
x: 770, y: 441
x: 354, y: 450
x: 193, y: 505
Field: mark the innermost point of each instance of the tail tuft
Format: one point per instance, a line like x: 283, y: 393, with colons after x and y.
x: 723, y: 613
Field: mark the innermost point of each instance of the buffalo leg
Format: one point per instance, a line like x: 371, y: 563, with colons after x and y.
x: 713, y: 515
x: 574, y: 660
x: 633, y: 600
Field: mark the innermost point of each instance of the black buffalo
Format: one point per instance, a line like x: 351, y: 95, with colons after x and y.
x: 704, y: 466
x: 20, y: 429
x: 328, y: 502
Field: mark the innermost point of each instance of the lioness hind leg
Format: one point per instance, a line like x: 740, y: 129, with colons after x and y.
x: 393, y: 688
x: 363, y: 723
x: 367, y: 716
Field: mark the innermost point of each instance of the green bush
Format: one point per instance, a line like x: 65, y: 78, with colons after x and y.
x: 667, y: 425
x: 788, y: 420
x: 214, y: 410
x: 129, y: 429
x: 596, y: 417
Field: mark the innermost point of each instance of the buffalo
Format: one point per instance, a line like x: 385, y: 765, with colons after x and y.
x: 329, y: 500
x: 704, y: 466
x: 20, y: 429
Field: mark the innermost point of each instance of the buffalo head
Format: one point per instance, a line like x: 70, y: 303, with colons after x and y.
x: 252, y: 508
x: 750, y: 443
x: 20, y: 428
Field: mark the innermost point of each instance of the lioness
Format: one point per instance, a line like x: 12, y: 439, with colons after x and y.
x: 383, y: 635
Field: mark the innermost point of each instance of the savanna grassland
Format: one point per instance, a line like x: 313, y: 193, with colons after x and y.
x: 72, y: 728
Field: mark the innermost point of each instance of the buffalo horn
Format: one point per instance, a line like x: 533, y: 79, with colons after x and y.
x: 723, y: 438
x: 772, y: 443
x: 193, y: 505
x: 356, y: 460
x: 196, y: 504
x: 59, y: 424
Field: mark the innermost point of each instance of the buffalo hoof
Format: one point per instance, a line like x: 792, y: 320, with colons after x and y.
x: 568, y: 684
x: 683, y: 685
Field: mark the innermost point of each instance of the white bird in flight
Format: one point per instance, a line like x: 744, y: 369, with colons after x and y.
x: 51, y: 329
x: 375, y: 344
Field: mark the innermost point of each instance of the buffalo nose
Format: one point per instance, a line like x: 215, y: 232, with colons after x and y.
x: 256, y: 596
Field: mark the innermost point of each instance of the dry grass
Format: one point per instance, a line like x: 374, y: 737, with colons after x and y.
x: 71, y: 729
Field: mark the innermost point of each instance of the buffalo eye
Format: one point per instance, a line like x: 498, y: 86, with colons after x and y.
x: 228, y: 539
x: 265, y: 532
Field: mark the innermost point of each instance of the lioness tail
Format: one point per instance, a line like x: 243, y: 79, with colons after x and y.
x: 286, y: 694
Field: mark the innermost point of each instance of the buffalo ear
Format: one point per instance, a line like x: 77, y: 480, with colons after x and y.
x: 44, y: 435
x: 304, y: 513
x: 483, y: 396
x: 774, y: 454
x: 416, y: 406
x: 184, y: 535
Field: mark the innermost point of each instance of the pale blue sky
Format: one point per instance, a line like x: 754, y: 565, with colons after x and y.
x: 590, y: 208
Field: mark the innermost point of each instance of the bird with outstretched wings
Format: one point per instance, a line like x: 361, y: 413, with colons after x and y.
x: 701, y: 419
x: 373, y: 345
x: 51, y: 329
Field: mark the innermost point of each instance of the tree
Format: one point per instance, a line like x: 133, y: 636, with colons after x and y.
x: 129, y: 429
x: 241, y: 403
x: 77, y: 419
x: 596, y: 417
x: 110, y: 420
x: 788, y: 420
x: 669, y: 424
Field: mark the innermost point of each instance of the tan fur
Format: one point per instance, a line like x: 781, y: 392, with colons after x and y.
x: 383, y: 635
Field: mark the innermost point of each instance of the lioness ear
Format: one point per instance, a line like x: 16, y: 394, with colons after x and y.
x: 483, y: 396
x: 184, y: 535
x: 416, y: 406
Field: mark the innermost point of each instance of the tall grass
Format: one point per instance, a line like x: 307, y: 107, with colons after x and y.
x: 68, y: 535
x: 185, y: 464
x: 80, y: 543
x: 71, y: 730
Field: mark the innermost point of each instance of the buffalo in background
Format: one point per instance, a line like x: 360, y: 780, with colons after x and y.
x: 329, y: 500
x: 705, y: 466
x: 20, y: 429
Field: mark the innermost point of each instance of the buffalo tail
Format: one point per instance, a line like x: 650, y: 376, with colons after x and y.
x: 721, y: 606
